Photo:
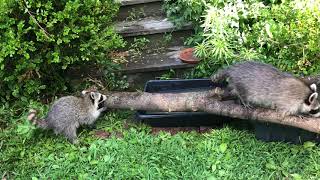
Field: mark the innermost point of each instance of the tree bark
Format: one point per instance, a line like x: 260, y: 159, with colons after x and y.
x: 205, y: 101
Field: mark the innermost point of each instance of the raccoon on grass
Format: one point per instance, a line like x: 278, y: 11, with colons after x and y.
x: 69, y: 112
x: 263, y: 85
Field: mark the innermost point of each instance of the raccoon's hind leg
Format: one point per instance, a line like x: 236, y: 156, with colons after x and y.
x: 244, y: 103
x: 71, y: 134
x: 235, y: 92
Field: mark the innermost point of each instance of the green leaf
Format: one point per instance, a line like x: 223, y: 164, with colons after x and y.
x: 308, y: 145
x: 213, y: 167
x: 59, y: 41
x: 271, y: 165
x: 296, y: 176
x: 55, y: 166
x: 223, y: 147
x: 212, y: 178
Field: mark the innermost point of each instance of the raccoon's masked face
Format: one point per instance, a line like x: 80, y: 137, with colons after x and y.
x: 312, y: 103
x: 96, y: 98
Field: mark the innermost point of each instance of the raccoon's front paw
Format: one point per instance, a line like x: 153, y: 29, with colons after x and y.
x: 92, y: 126
x: 285, y: 113
x: 75, y: 141
x: 247, y: 106
x: 103, y: 109
x: 301, y: 116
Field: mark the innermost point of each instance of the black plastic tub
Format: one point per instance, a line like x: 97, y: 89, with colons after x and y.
x: 268, y: 132
x: 271, y: 132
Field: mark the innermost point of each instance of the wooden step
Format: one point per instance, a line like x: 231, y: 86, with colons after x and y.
x: 133, y: 2
x: 163, y: 40
x: 160, y: 60
x: 139, y: 11
x: 150, y: 25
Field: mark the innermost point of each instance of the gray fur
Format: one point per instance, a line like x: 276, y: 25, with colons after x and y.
x: 262, y: 85
x: 69, y: 112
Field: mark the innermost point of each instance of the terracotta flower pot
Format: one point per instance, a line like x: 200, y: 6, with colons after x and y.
x: 187, y: 56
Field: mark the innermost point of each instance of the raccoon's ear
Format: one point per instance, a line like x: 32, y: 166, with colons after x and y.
x: 92, y: 95
x: 313, y: 87
x: 313, y: 97
x: 84, y: 92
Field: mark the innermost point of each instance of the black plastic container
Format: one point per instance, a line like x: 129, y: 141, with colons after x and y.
x: 271, y: 132
x: 267, y: 132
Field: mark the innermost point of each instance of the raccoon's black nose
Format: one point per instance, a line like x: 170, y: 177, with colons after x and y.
x: 100, y: 104
x: 314, y: 111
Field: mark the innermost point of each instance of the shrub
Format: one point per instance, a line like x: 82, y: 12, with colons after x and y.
x: 41, y: 40
x: 289, y: 34
x: 226, y: 29
x: 183, y: 11
x: 285, y: 33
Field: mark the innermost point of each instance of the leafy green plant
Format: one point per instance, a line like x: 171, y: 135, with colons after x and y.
x: 224, y: 33
x: 185, y: 11
x: 136, y: 14
x: 289, y: 32
x: 167, y: 37
x: 182, y: 11
x: 116, y: 81
x: 138, y: 45
x: 42, y: 40
x: 168, y: 75
x: 283, y: 33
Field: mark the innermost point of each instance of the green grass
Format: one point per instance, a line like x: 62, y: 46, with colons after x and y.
x: 220, y: 154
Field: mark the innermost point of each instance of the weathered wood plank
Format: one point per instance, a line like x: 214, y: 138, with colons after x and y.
x: 133, y: 2
x: 145, y: 26
x: 157, y: 61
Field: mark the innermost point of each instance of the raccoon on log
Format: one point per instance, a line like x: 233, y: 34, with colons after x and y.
x: 262, y: 85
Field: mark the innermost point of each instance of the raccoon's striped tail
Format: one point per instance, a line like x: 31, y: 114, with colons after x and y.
x: 32, y: 117
x: 219, y: 76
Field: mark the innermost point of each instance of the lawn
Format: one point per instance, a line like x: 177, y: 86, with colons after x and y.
x: 132, y: 151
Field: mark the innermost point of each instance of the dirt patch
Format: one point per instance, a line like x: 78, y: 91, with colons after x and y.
x: 154, y: 130
x: 118, y: 134
x: 3, y: 125
x: 175, y: 130
x: 105, y: 134
x: 102, y: 134
x: 126, y: 125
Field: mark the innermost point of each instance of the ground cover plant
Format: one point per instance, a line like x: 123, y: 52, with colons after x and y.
x: 131, y: 151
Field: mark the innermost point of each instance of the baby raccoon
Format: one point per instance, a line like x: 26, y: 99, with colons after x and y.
x: 69, y: 112
x: 263, y: 85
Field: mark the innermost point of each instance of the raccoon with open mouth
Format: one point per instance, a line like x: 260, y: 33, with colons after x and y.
x: 263, y: 85
x: 69, y: 112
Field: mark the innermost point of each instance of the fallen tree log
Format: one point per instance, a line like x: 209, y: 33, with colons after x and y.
x: 205, y: 101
